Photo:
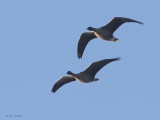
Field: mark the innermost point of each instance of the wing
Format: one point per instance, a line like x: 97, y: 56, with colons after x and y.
x: 63, y: 80
x: 96, y: 66
x: 83, y: 41
x: 113, y: 25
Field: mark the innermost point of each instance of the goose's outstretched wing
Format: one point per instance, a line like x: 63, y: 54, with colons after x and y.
x: 96, y: 66
x: 63, y: 80
x: 83, y: 41
x: 113, y: 25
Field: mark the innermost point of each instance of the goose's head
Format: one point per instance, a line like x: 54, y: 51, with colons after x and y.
x: 91, y: 29
x: 69, y: 73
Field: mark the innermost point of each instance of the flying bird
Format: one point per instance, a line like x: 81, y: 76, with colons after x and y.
x: 86, y: 76
x: 104, y: 33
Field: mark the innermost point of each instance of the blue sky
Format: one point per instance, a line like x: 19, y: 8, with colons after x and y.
x: 38, y: 44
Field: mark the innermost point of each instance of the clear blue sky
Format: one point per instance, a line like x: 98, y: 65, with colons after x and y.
x: 38, y: 43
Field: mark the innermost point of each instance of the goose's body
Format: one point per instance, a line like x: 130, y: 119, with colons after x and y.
x: 86, y: 76
x: 104, y: 33
x: 82, y: 77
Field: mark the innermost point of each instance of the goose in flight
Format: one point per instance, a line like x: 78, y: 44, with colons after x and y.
x: 86, y: 76
x: 104, y: 33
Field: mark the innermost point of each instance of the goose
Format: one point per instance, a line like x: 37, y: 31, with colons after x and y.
x: 86, y: 76
x: 104, y: 33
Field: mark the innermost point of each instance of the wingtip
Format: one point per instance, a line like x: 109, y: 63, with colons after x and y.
x: 118, y: 58
x: 79, y: 56
x: 141, y: 23
x: 53, y: 91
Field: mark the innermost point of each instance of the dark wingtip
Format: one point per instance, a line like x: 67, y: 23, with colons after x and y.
x: 135, y: 21
x: 53, y: 91
x: 79, y: 56
x: 118, y: 58
x: 138, y: 22
x: 115, y: 59
x: 141, y: 23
